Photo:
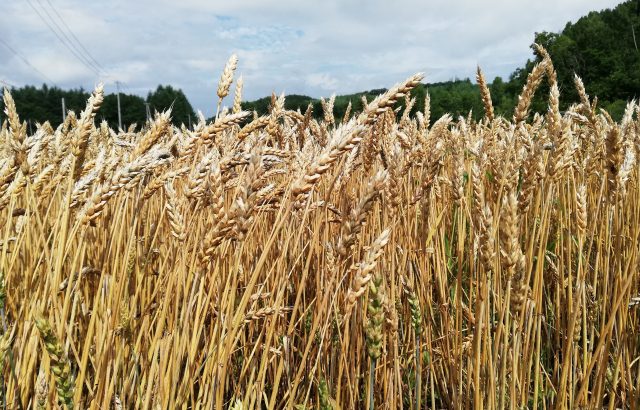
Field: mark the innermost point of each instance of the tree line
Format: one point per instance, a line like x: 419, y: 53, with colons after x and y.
x: 37, y: 105
x: 601, y: 47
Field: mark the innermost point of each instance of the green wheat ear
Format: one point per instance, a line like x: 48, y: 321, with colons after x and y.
x: 323, y: 394
x: 373, y: 329
x: 416, y: 313
x: 60, y: 366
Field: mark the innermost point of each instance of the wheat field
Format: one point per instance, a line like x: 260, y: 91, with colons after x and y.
x: 380, y: 260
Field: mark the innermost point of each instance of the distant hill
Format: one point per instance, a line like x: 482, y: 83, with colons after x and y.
x: 456, y: 97
x: 601, y: 47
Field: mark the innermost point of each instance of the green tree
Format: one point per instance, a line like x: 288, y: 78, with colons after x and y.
x: 37, y: 105
x: 165, y: 97
x: 602, y: 49
x: 132, y: 110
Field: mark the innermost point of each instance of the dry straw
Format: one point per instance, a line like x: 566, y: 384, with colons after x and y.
x: 304, y: 260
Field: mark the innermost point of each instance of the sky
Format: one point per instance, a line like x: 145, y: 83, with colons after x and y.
x: 293, y: 46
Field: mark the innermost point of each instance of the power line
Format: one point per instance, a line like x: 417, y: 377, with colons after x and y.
x: 81, y: 48
x: 7, y: 84
x: 126, y: 87
x: 64, y: 42
x: 26, y: 61
x: 75, y: 38
x: 68, y: 40
x: 95, y: 71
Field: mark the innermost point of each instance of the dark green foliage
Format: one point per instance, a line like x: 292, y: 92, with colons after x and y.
x: 165, y: 97
x: 600, y: 48
x: 454, y: 97
x: 44, y: 104
x: 292, y: 102
x: 131, y: 107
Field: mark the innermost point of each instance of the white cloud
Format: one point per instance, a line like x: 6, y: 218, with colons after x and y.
x: 128, y: 72
x: 323, y: 81
x: 60, y: 67
x: 285, y: 45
